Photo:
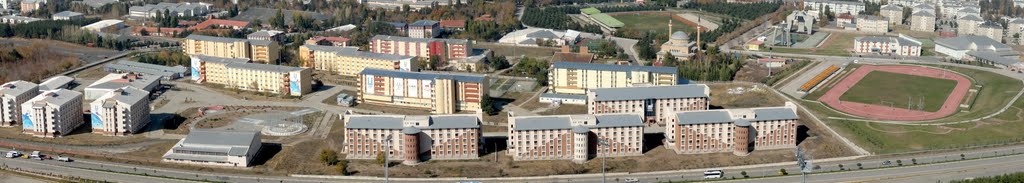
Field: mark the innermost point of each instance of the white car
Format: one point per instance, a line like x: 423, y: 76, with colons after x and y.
x: 13, y: 154
x: 64, y: 159
x: 631, y: 180
x: 713, y: 174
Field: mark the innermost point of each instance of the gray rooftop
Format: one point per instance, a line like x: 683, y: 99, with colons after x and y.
x: 972, y: 18
x: 973, y: 42
x: 55, y: 82
x: 129, y: 95
x: 140, y: 81
x: 724, y: 116
x: 618, y: 120
x: 410, y: 39
x: 563, y: 122
x: 214, y: 38
x: 651, y: 92
x: 265, y: 33
x: 871, y: 17
x: 57, y: 97
x: 461, y: 77
x: 610, y: 67
x: 923, y: 14
x: 235, y: 143
x: 991, y: 25
x: 395, y: 122
x: 244, y: 64
x: 997, y: 57
x: 353, y: 51
x: 424, y: 23
x: 563, y: 96
x: 892, y: 7
x: 18, y: 87
x: 67, y: 14
x: 543, y: 123
x: 20, y: 18
x: 547, y: 34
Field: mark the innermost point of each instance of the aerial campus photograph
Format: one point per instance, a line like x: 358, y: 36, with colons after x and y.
x: 511, y: 91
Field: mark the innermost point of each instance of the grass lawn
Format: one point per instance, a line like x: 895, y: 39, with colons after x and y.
x: 896, y: 89
x: 836, y: 45
x: 652, y: 22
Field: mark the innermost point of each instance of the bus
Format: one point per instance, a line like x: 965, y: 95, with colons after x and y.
x: 713, y: 174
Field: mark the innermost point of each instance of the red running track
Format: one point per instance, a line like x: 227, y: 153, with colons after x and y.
x: 879, y: 112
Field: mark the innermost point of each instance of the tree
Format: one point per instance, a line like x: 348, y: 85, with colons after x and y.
x: 381, y: 158
x: 5, y: 30
x: 341, y: 167
x: 744, y: 173
x: 144, y: 32
x: 328, y: 157
x: 277, y: 21
x: 860, y: 166
x: 782, y: 171
x: 435, y: 62
x: 913, y: 160
x: 841, y: 167
x: 899, y: 162
x: 487, y: 105
x: 498, y: 63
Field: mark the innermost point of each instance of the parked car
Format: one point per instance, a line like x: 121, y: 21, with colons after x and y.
x: 12, y: 154
x: 36, y: 155
x: 64, y: 159
x: 631, y: 180
x: 886, y: 162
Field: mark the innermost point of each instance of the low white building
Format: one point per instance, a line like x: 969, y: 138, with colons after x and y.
x: 67, y: 15
x: 56, y: 82
x: 216, y: 147
x: 111, y: 25
x: 887, y: 45
x: 120, y: 112
x: 978, y: 48
x: 116, y: 81
x: 15, y: 19
x: 52, y: 113
x: 12, y: 95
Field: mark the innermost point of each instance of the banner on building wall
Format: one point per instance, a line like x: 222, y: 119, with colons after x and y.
x: 368, y: 84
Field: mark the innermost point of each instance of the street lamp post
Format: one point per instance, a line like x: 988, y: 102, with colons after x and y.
x: 603, y: 142
x: 387, y: 149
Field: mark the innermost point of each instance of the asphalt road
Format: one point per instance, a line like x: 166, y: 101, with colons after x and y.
x: 940, y: 172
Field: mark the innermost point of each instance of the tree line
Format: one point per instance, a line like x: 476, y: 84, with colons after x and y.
x: 556, y: 18
x: 709, y: 66
x: 69, y: 31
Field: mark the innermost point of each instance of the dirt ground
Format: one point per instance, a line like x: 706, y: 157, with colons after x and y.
x: 566, y: 109
x: 761, y: 97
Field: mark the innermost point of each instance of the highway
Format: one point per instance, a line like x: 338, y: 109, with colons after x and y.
x: 940, y: 172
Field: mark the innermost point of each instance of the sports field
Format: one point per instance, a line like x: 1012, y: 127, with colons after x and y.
x: 658, y: 23
x: 899, y: 90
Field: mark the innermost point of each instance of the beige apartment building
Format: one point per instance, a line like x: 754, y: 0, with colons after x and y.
x: 12, y: 95
x: 446, y: 49
x: 575, y: 137
x: 968, y: 25
x: 575, y: 78
x: 53, y: 113
x: 872, y: 24
x: 739, y: 131
x: 657, y: 104
x: 413, y: 139
x: 263, y: 51
x: 239, y: 73
x: 121, y: 112
x: 349, y: 61
x: 922, y: 21
x: 991, y: 30
x: 441, y: 92
x: 893, y: 13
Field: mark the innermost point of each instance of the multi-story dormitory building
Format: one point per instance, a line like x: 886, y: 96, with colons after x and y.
x: 442, y: 93
x: 732, y: 130
x: 657, y: 104
x: 424, y: 48
x: 576, y: 78
x: 575, y: 137
x: 122, y: 111
x: 239, y: 73
x: 12, y: 95
x: 413, y: 138
x: 53, y: 113
x: 349, y: 61
x: 262, y: 51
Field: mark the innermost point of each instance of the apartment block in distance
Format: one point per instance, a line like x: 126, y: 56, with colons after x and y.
x: 442, y: 93
x: 658, y: 104
x: 239, y: 73
x: 576, y: 78
x: 263, y: 51
x: 888, y: 45
x: 121, y: 112
x: 413, y: 139
x: 53, y: 113
x: 12, y: 95
x: 733, y: 130
x: 349, y: 61
x: 575, y: 137
x: 446, y: 49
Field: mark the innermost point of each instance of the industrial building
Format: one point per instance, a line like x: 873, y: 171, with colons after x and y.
x: 413, y: 139
x: 120, y: 112
x: 12, y: 95
x: 52, y: 114
x: 239, y: 73
x: 56, y: 82
x: 216, y: 147
x: 116, y: 81
x: 442, y: 93
x: 575, y: 137
x: 262, y: 51
x: 657, y: 103
x: 424, y: 48
x: 349, y: 61
x: 165, y: 72
x: 739, y: 131
x: 978, y: 48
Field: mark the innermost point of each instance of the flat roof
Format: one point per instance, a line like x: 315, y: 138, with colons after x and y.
x: 55, y: 82
x: 126, y: 94
x: 610, y: 67
x: 410, y: 39
x: 651, y: 92
x: 210, y: 137
x: 396, y: 122
x: 462, y: 77
x: 121, y: 80
x: 726, y: 116
x: 57, y: 97
x: 18, y: 87
x: 562, y: 122
x: 354, y: 52
x: 244, y: 64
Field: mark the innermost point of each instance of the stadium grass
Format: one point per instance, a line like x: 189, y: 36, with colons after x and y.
x: 895, y: 89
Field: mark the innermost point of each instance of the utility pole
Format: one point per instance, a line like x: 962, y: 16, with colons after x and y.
x: 387, y: 150
x: 603, y: 142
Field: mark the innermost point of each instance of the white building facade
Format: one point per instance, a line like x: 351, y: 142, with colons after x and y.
x: 12, y: 95
x: 121, y: 112
x: 52, y: 114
